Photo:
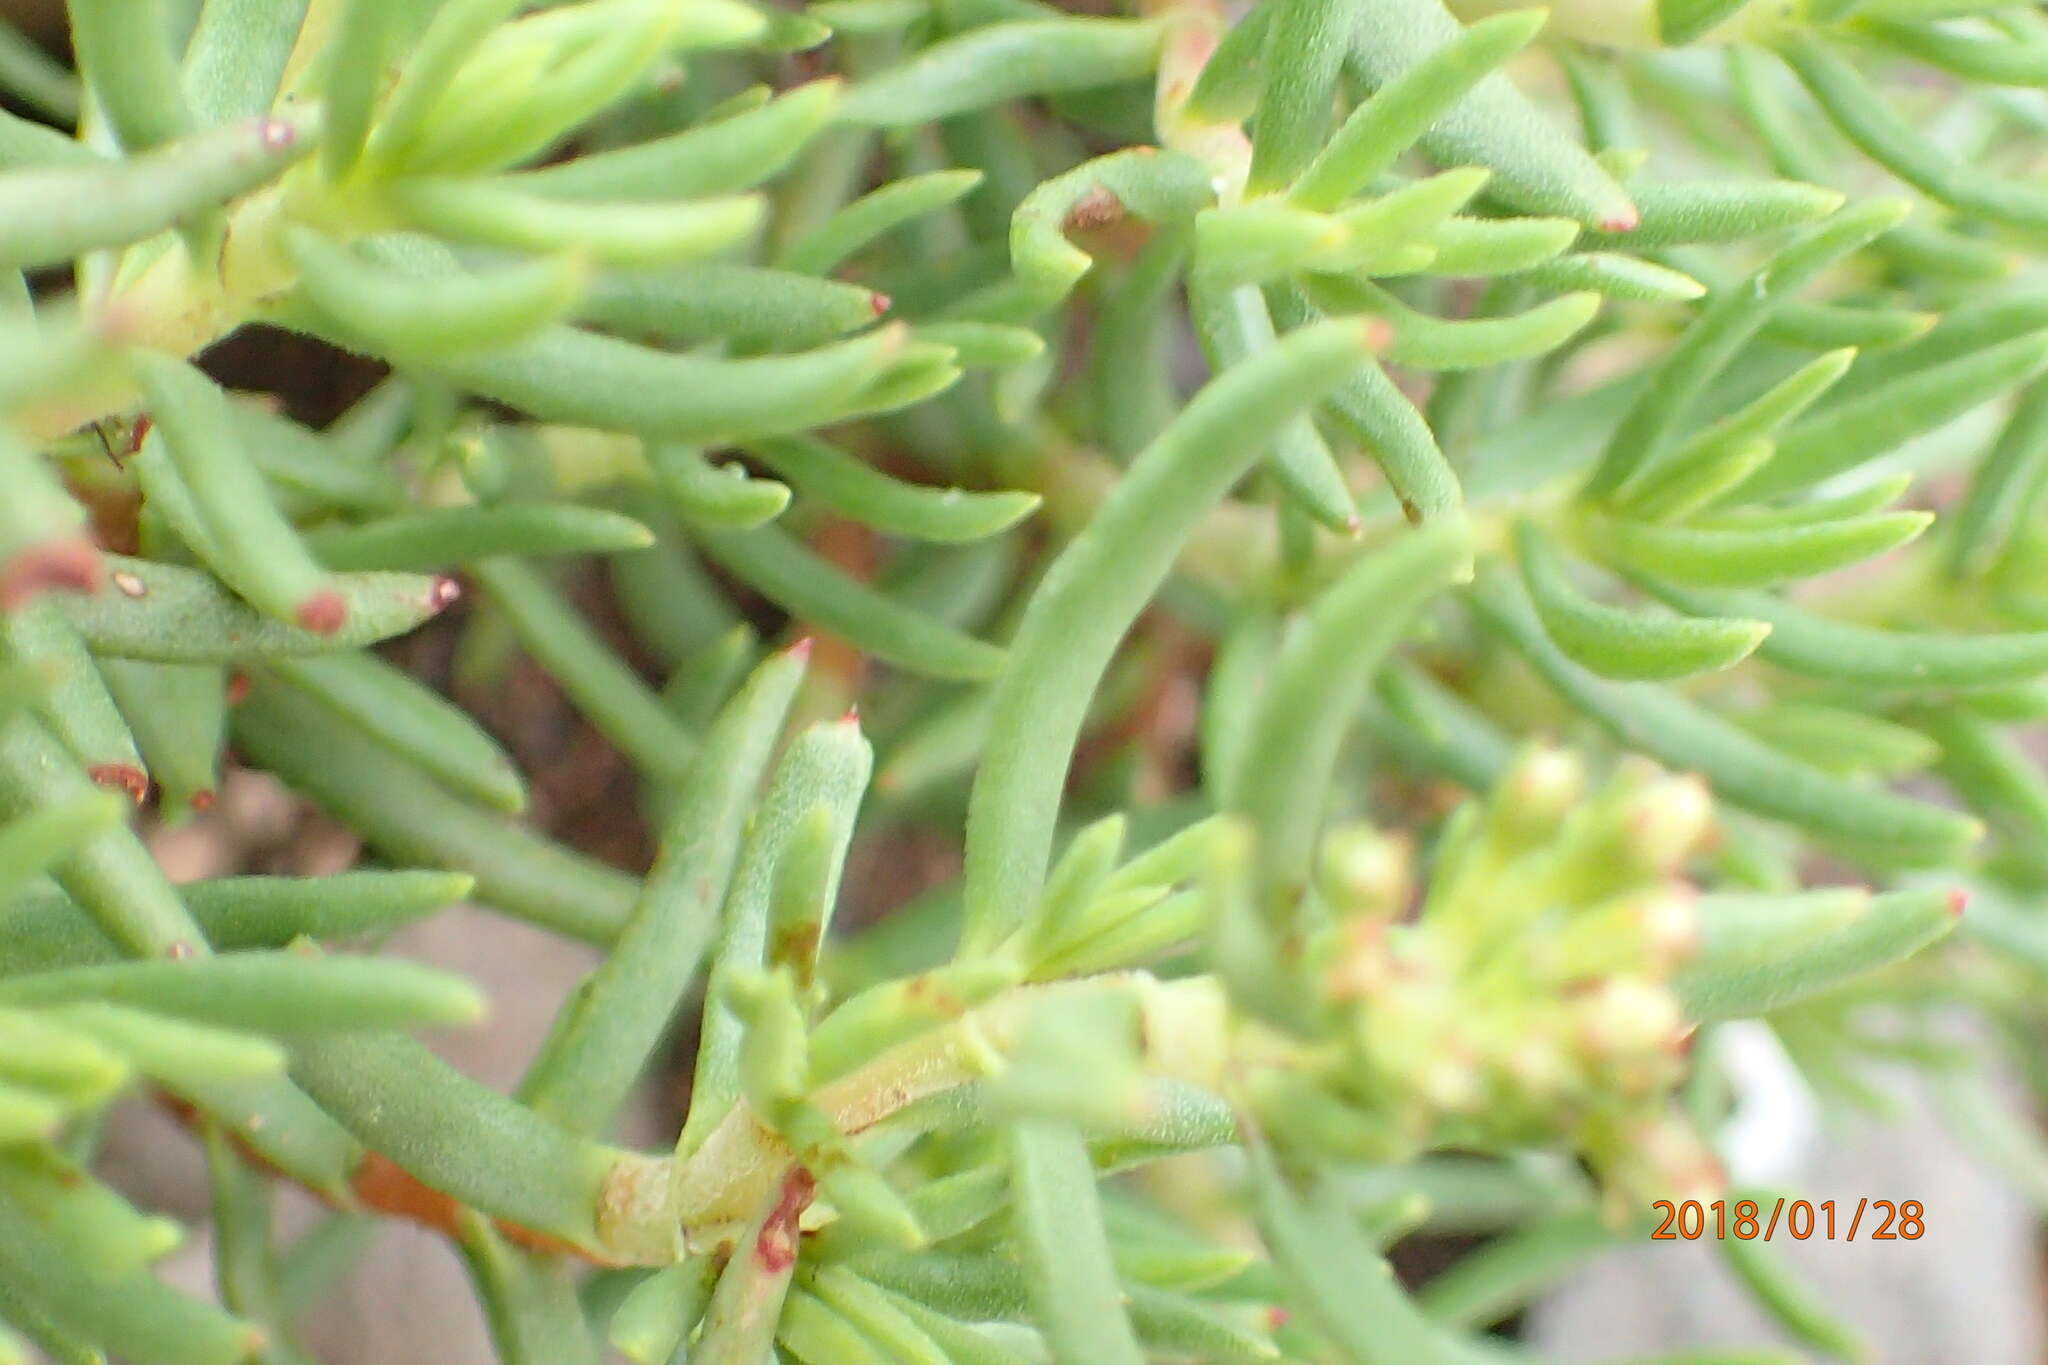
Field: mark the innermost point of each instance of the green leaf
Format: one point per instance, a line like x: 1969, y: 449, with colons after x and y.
x: 436, y: 539
x: 743, y: 305
x: 1780, y: 1293
x: 1095, y: 590
x: 1710, y: 463
x: 826, y: 246
x: 1993, y: 776
x: 362, y: 43
x: 601, y: 683
x: 36, y: 842
x: 134, y: 1315
x: 566, y: 375
x: 1244, y: 244
x: 746, y: 1304
x: 1000, y: 62
x: 528, y: 1297
x: 718, y: 157
x: 125, y: 54
x: 38, y: 80
x: 1681, y: 21
x: 396, y: 317
x: 451, y: 35
x: 109, y: 873
x: 715, y: 496
x: 659, y: 1313
x: 75, y: 702
x: 1072, y: 1280
x: 1842, y: 741
x: 1859, y: 429
x: 790, y: 573
x: 1434, y: 344
x: 813, y: 1332
x: 410, y: 820
x: 1718, y: 332
x: 419, y: 725
x: 45, y: 931
x: 178, y: 714
x: 1369, y: 409
x: 1233, y: 324
x: 1719, y: 558
x: 1743, y: 770
x: 1616, y: 276
x: 1839, y: 651
x: 1616, y: 642
x: 1378, y: 230
x: 174, y: 1052
x: 1675, y: 212
x: 1336, y: 1277
x: 1992, y: 512
x: 239, y: 530
x: 1498, y: 246
x: 1317, y: 682
x: 1305, y: 45
x: 1990, y: 61
x: 1404, y: 108
x: 828, y: 765
x: 52, y: 214
x: 855, y: 489
x: 502, y: 215
x: 273, y: 992
x: 457, y: 1135
x: 879, y: 1317
x: 1501, y: 1277
x: 1760, y: 953
x: 1162, y: 186
x: 1536, y: 167
x: 236, y: 56
x: 1181, y: 1324
x: 1868, y: 119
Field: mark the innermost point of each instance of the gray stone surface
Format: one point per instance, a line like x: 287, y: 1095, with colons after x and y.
x: 1966, y: 1293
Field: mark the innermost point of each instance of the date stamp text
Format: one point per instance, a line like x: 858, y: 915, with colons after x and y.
x: 1747, y: 1220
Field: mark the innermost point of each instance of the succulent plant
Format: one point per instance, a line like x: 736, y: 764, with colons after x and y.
x: 1394, y: 541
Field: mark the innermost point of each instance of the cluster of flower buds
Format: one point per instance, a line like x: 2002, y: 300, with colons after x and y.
x: 1529, y: 1000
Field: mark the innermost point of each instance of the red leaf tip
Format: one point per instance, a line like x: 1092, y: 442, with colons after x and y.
x: 323, y: 613
x: 122, y: 777
x: 776, y: 1247
x: 71, y: 565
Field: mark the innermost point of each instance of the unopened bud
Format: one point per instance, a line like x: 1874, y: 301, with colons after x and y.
x: 1664, y: 1157
x: 1537, y: 794
x: 1671, y: 925
x: 1666, y: 821
x: 1451, y: 1085
x: 1628, y: 1016
x: 1538, y: 1068
x: 1364, y: 872
x: 864, y: 1198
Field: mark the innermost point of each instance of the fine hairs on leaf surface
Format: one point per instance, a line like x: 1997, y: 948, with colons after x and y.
x: 1333, y: 590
